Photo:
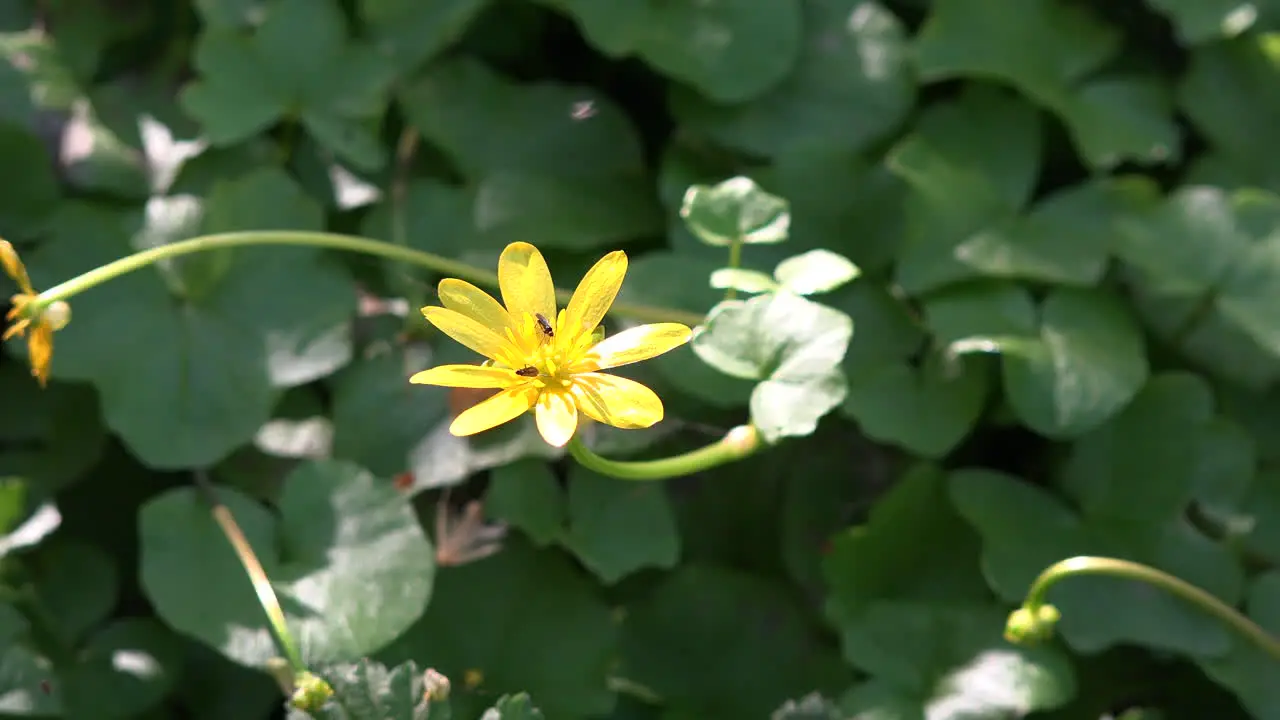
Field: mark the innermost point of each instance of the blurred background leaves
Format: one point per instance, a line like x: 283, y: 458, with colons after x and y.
x: 1006, y: 277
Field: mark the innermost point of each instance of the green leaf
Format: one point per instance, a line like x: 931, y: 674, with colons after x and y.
x: 923, y: 657
x: 1229, y: 93
x: 677, y: 280
x: 228, y: 13
x: 438, y: 219
x: 792, y: 345
x: 746, y: 281
x: 718, y: 47
x: 367, y: 690
x: 813, y: 106
x: 1064, y: 239
x: 124, y: 670
x: 298, y: 65
x: 52, y: 436
x: 200, y: 374
x: 215, y: 688
x: 1246, y: 669
x: 927, y: 409
x: 96, y: 159
x: 1087, y: 363
x: 526, y: 494
x: 524, y: 189
x: 830, y: 192
x: 378, y: 417
x: 1201, y: 21
x: 723, y: 643
x: 888, y: 329
x: 913, y: 547
x: 809, y: 707
x: 77, y: 586
x: 1053, y: 53
x: 971, y: 164
x: 513, y: 707
x: 492, y: 616
x: 816, y: 271
x: 618, y: 527
x: 51, y: 82
x: 412, y: 32
x: 1131, y: 480
x: 26, y: 206
x: 27, y: 686
x: 1209, y: 246
x: 358, y: 569
x: 580, y: 213
x: 465, y: 109
x: 735, y: 211
x: 1066, y: 371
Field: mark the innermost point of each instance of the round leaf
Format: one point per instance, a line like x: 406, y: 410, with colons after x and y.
x: 816, y: 271
x: 490, y: 617
x: 1086, y: 364
x: 730, y: 50
x: 735, y: 211
x: 851, y: 86
x: 348, y: 559
x: 617, y: 528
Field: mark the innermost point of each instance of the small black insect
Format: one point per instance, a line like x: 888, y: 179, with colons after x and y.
x: 528, y: 372
x: 545, y: 325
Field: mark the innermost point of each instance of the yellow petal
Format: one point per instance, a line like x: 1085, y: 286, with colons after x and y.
x: 557, y: 417
x: 634, y: 345
x: 503, y: 407
x: 616, y: 401
x: 13, y: 267
x: 40, y: 351
x: 594, y: 295
x: 467, y: 376
x: 525, y: 281
x: 463, y: 297
x: 470, y: 333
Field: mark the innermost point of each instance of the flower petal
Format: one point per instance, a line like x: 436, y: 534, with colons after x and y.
x: 13, y: 267
x: 463, y: 297
x: 594, y: 295
x: 470, y: 333
x: 503, y: 407
x: 525, y: 281
x: 616, y: 401
x: 40, y: 351
x: 467, y: 376
x: 557, y: 417
x: 634, y: 345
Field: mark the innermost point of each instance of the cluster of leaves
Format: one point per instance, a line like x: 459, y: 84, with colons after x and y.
x: 1004, y: 284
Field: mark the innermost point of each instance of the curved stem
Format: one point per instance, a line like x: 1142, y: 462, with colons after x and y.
x: 735, y: 445
x: 349, y: 243
x: 257, y: 575
x: 1113, y: 567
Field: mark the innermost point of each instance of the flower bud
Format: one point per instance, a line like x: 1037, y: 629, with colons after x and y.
x: 58, y: 314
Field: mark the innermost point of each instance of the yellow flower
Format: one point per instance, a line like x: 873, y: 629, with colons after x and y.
x: 542, y: 359
x: 42, y: 322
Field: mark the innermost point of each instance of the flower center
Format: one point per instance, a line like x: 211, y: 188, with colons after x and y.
x: 544, y: 349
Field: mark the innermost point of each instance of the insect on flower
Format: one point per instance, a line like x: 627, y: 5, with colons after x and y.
x: 544, y: 325
x: 551, y: 368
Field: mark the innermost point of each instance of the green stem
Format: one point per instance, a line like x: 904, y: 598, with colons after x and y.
x: 735, y: 259
x: 257, y: 575
x: 1085, y: 565
x: 735, y: 445
x: 350, y: 243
